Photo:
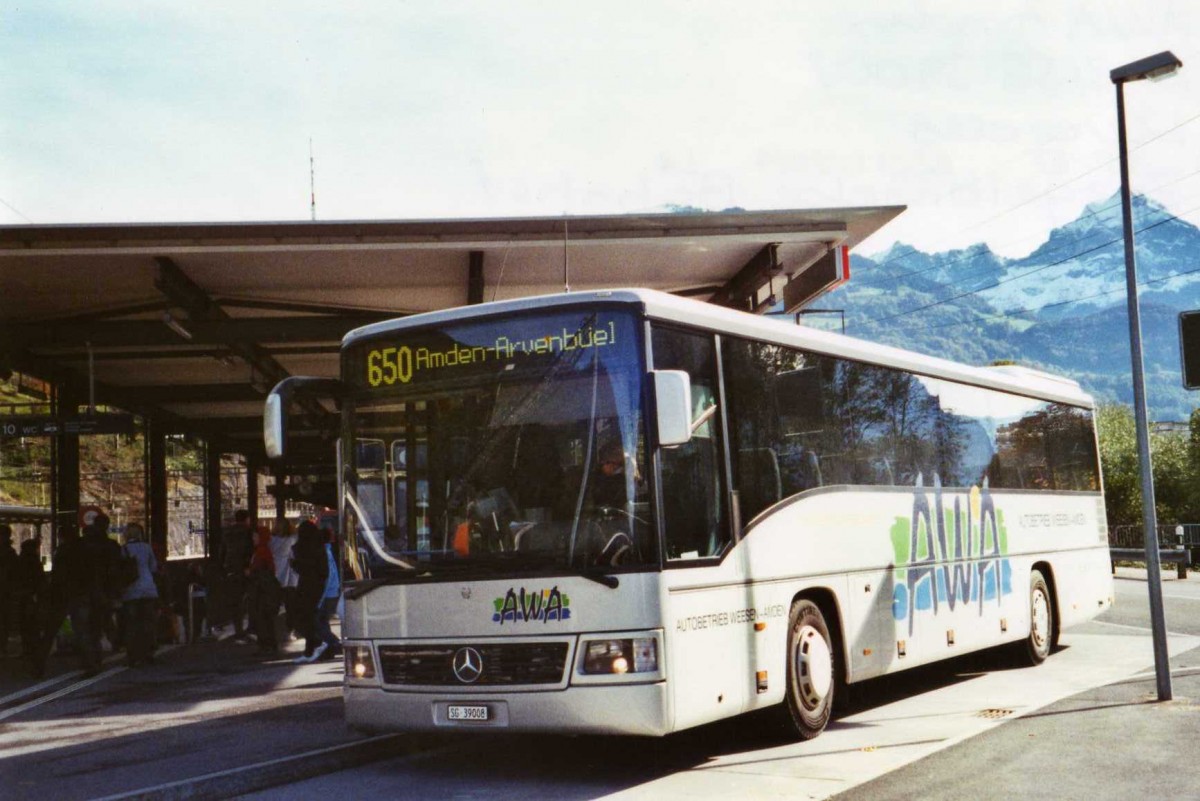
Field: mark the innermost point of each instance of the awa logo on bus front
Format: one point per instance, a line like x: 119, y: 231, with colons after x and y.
x: 950, y: 557
x: 531, y: 606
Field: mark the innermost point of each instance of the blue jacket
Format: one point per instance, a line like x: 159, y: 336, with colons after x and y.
x: 333, y: 584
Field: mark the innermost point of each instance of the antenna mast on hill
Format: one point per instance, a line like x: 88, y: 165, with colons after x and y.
x: 312, y: 179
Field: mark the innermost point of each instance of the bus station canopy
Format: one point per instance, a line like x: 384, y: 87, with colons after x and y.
x: 192, y: 323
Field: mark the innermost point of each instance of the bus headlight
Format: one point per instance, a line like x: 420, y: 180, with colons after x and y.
x: 360, y: 664
x: 632, y: 655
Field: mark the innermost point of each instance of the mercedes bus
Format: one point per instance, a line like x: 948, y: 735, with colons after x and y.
x: 628, y: 512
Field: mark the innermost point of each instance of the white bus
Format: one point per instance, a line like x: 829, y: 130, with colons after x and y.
x: 626, y: 512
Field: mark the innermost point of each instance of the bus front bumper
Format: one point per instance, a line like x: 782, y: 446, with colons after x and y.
x: 632, y: 709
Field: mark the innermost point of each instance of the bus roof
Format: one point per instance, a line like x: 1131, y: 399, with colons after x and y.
x: 672, y: 308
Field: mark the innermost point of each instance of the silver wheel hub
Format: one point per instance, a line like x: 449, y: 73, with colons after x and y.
x: 1039, y: 629
x: 814, y: 667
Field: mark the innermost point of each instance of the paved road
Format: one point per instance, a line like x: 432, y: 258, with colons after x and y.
x: 975, y: 728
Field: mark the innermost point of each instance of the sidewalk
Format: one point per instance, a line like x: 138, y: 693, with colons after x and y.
x: 200, y: 709
x: 1113, y: 742
x: 63, y: 666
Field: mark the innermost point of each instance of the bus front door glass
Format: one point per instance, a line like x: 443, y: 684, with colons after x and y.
x: 694, y: 513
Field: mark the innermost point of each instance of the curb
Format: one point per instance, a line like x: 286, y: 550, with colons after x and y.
x: 264, y: 775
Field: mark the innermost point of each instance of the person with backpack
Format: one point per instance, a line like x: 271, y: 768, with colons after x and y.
x: 139, y: 596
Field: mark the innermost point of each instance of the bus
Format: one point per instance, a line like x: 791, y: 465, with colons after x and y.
x: 627, y: 512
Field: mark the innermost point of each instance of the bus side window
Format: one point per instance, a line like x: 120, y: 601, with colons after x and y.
x: 694, y: 514
x: 776, y: 422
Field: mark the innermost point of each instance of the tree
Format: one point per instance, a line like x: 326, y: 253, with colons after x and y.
x: 1176, y: 460
x: 1118, y: 460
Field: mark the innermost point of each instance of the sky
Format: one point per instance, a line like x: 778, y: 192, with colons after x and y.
x: 991, y: 122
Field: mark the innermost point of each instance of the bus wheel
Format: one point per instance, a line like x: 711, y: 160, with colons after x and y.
x: 810, y: 671
x: 1041, y: 620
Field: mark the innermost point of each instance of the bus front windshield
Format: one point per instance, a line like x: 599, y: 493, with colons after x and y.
x: 502, y: 445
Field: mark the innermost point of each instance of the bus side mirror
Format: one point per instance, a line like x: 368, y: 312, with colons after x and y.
x: 275, y: 424
x: 673, y: 405
x: 275, y: 412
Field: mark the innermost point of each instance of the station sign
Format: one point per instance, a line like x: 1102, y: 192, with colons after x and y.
x: 49, y: 426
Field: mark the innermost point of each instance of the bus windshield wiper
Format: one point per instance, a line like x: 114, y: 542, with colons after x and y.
x: 360, y: 588
x: 612, y: 582
x: 481, y: 568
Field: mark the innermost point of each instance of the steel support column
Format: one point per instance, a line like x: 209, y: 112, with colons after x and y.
x: 253, y: 465
x: 156, y: 438
x: 212, y: 499
x: 475, y: 278
x: 65, y: 472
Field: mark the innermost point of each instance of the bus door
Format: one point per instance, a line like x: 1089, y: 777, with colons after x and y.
x: 708, y: 637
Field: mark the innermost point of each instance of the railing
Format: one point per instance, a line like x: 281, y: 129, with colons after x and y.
x: 1175, y: 535
x: 1178, y: 543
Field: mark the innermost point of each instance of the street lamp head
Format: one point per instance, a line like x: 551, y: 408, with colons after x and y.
x: 1153, y: 67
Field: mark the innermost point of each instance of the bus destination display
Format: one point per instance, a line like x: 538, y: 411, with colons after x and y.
x: 431, y: 356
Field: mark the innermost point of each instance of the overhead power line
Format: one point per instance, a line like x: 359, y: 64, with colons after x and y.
x: 15, y: 210
x: 961, y: 295
x: 912, y: 250
x: 1057, y: 304
x: 1084, y: 174
x: 950, y: 262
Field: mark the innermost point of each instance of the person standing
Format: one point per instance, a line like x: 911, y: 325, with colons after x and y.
x: 139, y: 600
x: 91, y: 564
x: 312, y: 567
x: 264, y: 593
x: 8, y: 576
x: 30, y: 587
x: 282, y: 544
x: 329, y: 646
x: 54, y: 604
x: 237, y: 547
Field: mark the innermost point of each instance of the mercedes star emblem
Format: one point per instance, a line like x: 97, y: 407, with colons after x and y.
x: 468, y: 665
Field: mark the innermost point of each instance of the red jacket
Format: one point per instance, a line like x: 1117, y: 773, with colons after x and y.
x: 261, y: 559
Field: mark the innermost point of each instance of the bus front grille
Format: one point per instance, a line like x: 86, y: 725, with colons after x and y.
x: 489, y: 665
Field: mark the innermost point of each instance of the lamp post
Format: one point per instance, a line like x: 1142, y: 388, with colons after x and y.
x: 1153, y: 67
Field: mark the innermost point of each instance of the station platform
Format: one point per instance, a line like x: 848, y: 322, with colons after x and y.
x: 200, y: 709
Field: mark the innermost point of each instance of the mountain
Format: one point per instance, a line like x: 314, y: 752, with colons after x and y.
x: 1061, y: 308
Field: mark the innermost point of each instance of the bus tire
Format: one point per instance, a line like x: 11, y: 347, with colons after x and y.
x: 1041, y: 620
x: 811, y: 671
